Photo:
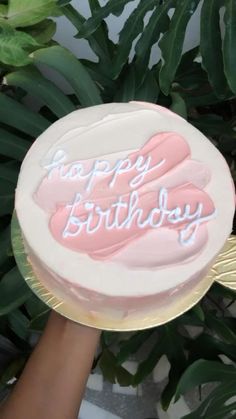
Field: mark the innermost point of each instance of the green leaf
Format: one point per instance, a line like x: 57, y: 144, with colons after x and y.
x: 74, y: 72
x: 107, y: 364
x: 200, y: 99
x: 191, y: 79
x: 113, y: 372
x: 186, y: 62
x: 132, y: 345
x: 146, y: 366
x: 8, y: 173
x: 29, y: 12
x: 15, y: 45
x: 35, y: 306
x: 126, y: 92
x: 99, y: 42
x: 18, y: 116
x: 197, y: 309
x: 5, y: 244
x: 7, y: 194
x: 39, y: 322
x: 43, y: 31
x: 13, y: 146
x: 170, y: 388
x: 219, y: 326
x: 109, y: 338
x: 62, y: 3
x: 101, y: 34
x: 201, y: 372
x: 209, y: 347
x: 216, y: 405
x: 3, y: 10
x: 178, y: 105
x: 132, y: 28
x: 13, y: 291
x: 38, y: 312
x: 157, y: 24
x: 220, y: 399
x: 211, y: 46
x: 148, y: 90
x: 175, y: 345
x: 227, y: 144
x: 229, y: 50
x: 91, y: 24
x: 213, y: 125
x: 123, y: 376
x: 171, y: 44
x: 217, y: 290
x: 19, y: 324
x: 32, y: 81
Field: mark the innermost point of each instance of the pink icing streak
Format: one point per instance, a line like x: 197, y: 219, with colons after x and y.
x: 182, y: 178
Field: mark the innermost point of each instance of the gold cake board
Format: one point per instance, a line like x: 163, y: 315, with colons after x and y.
x: 223, y: 271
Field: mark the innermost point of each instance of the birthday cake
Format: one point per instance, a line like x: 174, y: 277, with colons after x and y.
x: 123, y: 207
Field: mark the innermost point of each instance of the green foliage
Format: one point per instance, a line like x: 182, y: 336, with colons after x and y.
x: 217, y: 404
x: 31, y: 80
x: 171, y: 44
x: 15, y: 45
x: 13, y: 291
x: 20, y: 117
x: 22, y: 13
x: 229, y: 43
x: 199, y: 85
x: 212, y: 56
x: 74, y: 72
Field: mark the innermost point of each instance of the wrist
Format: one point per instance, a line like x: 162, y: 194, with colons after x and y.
x: 60, y: 327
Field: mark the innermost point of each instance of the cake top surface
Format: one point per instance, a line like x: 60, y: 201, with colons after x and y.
x: 129, y: 191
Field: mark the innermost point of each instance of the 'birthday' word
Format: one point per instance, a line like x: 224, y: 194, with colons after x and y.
x: 110, y: 219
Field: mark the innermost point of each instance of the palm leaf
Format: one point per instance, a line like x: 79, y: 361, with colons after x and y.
x: 13, y: 146
x: 132, y: 28
x: 19, y: 116
x: 74, y: 72
x: 43, y: 31
x: 229, y: 49
x: 5, y: 240
x: 31, y: 80
x: 211, y: 46
x: 157, y: 24
x: 9, y: 172
x: 149, y: 89
x: 127, y: 90
x: 171, y: 44
x: 201, y: 372
x: 90, y: 26
x: 13, y: 291
x: 97, y: 41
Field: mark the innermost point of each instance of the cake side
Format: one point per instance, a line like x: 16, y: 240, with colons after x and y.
x: 103, y: 308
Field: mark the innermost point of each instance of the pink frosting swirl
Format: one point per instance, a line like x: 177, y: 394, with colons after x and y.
x: 119, y: 217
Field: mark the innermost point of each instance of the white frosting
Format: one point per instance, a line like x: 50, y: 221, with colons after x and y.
x: 86, y: 134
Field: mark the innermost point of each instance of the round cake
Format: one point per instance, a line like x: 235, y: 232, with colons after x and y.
x: 123, y: 207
